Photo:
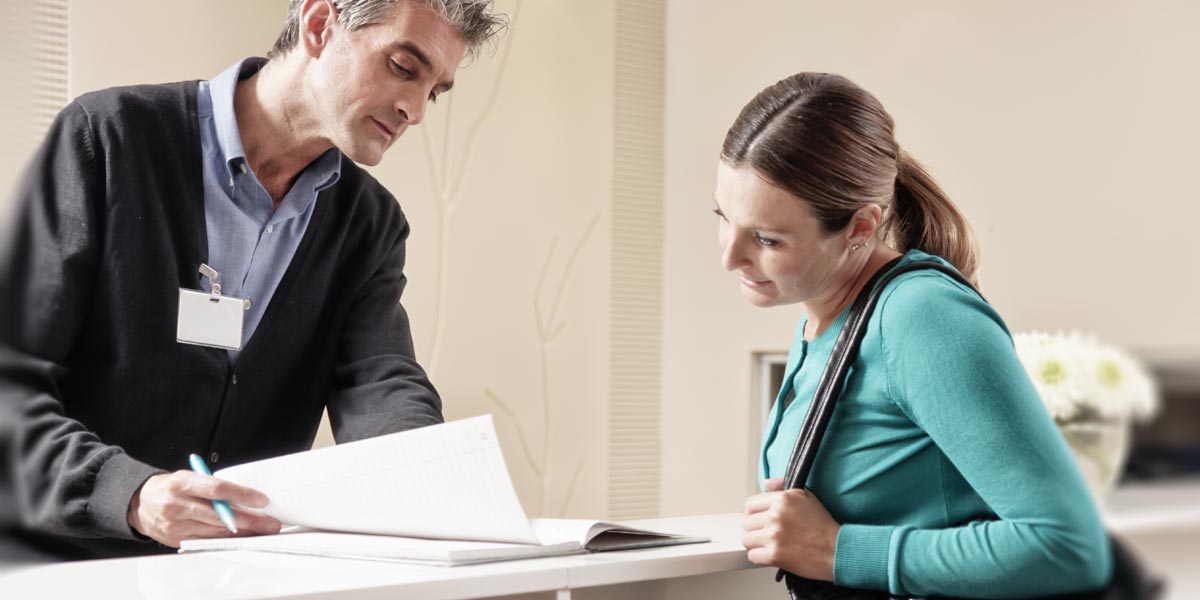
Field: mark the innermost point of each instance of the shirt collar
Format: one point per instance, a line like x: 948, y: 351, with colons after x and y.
x: 221, y: 89
x: 327, y: 168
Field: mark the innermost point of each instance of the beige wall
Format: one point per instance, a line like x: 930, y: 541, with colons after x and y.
x: 510, y: 219
x: 1064, y: 130
x: 127, y: 42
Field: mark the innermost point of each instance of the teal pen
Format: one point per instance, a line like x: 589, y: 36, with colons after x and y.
x: 222, y: 507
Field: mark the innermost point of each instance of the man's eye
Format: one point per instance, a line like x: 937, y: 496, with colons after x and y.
x: 768, y: 242
x: 433, y: 98
x: 400, y: 69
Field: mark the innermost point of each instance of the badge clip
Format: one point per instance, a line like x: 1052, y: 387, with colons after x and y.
x: 214, y: 279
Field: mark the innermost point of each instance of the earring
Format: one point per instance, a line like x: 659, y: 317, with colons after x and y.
x: 855, y: 248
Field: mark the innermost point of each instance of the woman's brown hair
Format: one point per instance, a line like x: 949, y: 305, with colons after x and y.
x: 831, y: 143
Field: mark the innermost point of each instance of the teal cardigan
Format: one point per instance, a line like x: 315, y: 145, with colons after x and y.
x: 944, y: 468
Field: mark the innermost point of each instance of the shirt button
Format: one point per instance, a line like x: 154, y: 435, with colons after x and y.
x: 214, y: 457
x: 235, y: 380
x: 270, y: 228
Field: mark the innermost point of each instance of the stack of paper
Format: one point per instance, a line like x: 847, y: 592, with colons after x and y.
x: 437, y: 495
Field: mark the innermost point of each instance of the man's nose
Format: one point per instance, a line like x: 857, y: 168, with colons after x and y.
x: 411, y: 107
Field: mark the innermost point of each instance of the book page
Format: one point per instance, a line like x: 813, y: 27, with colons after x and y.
x: 580, y: 531
x: 558, y: 531
x: 445, y: 481
x: 380, y: 547
x: 604, y: 535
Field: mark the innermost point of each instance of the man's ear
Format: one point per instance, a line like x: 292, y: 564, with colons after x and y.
x: 864, y: 224
x: 317, y: 21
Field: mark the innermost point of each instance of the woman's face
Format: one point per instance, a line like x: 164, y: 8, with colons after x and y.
x: 771, y: 241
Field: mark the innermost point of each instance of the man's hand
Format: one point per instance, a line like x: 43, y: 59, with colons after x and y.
x: 173, y: 507
x: 790, y: 529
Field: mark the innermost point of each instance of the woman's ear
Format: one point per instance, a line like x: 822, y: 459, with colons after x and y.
x: 864, y: 224
x: 317, y: 19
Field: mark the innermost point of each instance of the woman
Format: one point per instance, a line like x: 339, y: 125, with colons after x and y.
x: 941, y: 473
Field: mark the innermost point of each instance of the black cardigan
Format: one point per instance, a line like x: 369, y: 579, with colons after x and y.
x: 95, y: 393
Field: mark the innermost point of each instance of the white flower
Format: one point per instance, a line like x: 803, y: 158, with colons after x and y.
x: 1080, y: 378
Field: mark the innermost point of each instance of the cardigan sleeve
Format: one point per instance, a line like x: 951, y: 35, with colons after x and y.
x: 382, y: 387
x: 953, y: 370
x: 55, y: 475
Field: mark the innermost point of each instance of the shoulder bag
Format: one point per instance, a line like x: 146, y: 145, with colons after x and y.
x: 1130, y: 580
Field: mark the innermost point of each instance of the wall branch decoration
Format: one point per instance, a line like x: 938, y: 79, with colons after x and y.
x: 549, y: 327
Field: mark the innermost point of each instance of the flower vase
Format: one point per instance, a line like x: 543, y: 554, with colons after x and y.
x: 1100, y: 449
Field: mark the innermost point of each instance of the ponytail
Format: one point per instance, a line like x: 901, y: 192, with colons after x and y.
x: 924, y: 218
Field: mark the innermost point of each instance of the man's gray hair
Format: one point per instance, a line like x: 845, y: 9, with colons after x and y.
x: 473, y: 19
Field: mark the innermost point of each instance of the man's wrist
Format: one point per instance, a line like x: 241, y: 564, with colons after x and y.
x: 133, y: 517
x: 116, y: 484
x: 134, y: 503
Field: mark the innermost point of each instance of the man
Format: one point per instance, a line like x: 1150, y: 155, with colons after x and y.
x: 109, y: 376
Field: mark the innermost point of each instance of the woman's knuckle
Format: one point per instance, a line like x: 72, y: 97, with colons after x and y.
x: 774, y: 534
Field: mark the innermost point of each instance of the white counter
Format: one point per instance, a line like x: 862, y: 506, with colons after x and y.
x: 220, y: 575
x: 1162, y: 523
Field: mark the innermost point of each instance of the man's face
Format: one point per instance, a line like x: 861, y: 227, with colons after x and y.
x: 369, y: 85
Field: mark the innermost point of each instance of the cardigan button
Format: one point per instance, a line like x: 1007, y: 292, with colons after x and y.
x: 214, y: 457
x: 234, y: 379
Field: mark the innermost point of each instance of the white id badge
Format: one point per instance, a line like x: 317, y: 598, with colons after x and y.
x: 210, y: 320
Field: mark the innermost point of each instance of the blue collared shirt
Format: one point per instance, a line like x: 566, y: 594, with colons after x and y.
x: 249, y: 242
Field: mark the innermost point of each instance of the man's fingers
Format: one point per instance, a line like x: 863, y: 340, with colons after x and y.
x: 251, y: 524
x: 179, y: 507
x: 240, y: 495
x: 171, y: 533
x: 774, y: 484
x: 211, y: 488
x: 202, y: 512
x: 172, y: 505
x: 194, y: 510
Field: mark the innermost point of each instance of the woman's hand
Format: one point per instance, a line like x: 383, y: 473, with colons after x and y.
x: 170, y: 508
x: 791, y: 530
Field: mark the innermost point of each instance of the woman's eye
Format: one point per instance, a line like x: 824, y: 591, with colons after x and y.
x: 768, y: 242
x: 717, y: 211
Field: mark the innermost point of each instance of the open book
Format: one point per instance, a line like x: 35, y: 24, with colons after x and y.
x: 436, y: 495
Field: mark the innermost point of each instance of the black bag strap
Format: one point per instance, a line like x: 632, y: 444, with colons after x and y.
x: 845, y: 351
